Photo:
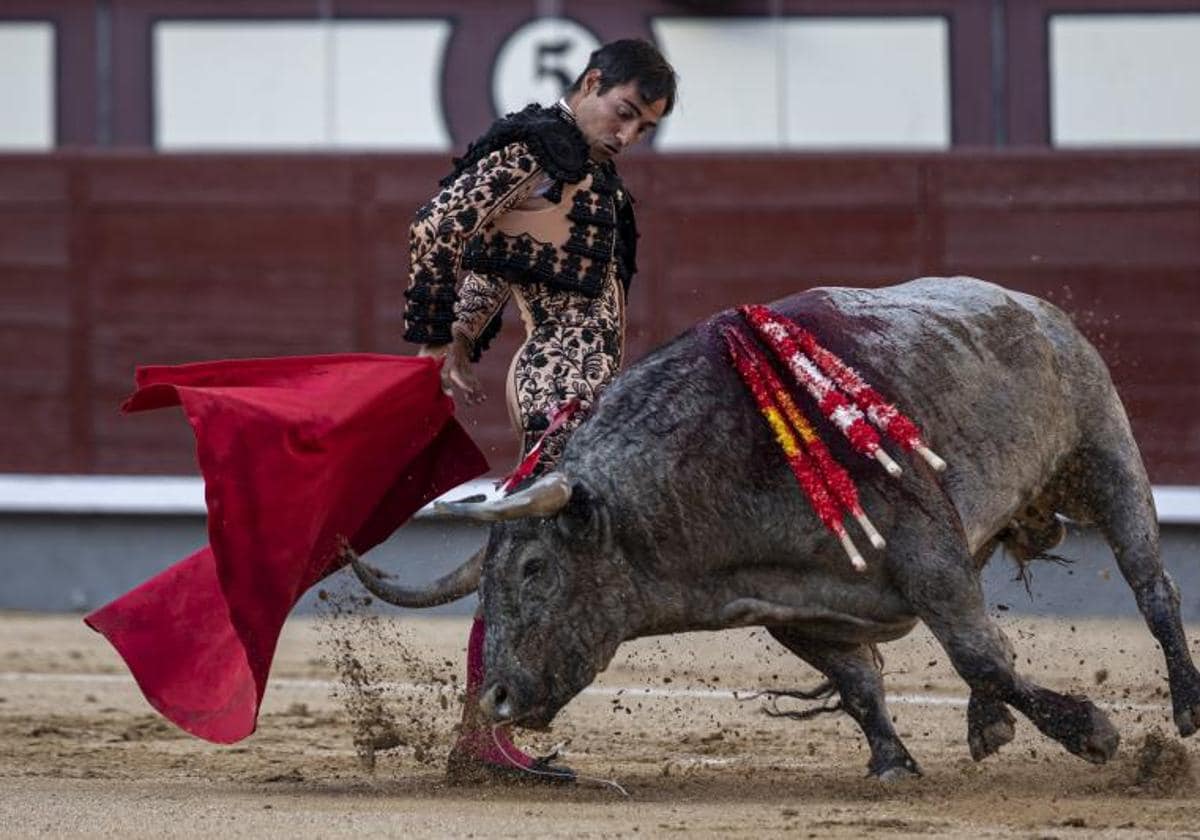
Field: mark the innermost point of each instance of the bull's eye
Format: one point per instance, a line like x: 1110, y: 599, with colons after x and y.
x: 532, y: 567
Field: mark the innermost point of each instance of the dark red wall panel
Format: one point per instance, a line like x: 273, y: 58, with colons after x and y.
x: 111, y: 260
x: 35, y: 316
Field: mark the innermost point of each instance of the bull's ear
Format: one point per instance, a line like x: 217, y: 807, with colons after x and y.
x: 584, y: 518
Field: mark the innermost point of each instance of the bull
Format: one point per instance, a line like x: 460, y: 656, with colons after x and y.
x: 672, y: 510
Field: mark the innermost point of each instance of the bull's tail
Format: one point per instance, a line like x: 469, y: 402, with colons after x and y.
x: 824, y: 691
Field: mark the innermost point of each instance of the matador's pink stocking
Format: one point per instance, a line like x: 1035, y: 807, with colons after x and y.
x: 476, y: 740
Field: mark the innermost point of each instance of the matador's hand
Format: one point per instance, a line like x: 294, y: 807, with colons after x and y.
x: 457, y: 371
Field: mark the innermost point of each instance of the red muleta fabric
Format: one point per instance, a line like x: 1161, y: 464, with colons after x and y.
x: 296, y: 453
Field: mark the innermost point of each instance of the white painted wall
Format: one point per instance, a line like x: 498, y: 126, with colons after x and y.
x: 27, y: 96
x: 387, y: 84
x: 299, y: 84
x: 815, y: 83
x: 1124, y: 79
x: 730, y: 86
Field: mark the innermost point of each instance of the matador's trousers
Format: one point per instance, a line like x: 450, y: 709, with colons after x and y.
x: 573, y: 349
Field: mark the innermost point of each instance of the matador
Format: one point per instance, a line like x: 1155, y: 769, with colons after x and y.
x: 535, y: 211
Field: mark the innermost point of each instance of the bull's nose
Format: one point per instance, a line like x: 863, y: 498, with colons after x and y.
x: 496, y: 703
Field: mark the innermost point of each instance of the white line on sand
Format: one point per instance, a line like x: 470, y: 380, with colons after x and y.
x: 632, y: 692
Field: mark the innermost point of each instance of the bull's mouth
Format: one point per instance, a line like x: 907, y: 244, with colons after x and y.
x: 537, y: 719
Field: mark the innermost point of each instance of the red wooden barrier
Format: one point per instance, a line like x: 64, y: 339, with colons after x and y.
x: 109, y: 260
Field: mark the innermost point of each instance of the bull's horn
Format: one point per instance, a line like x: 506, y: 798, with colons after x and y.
x: 545, y: 497
x: 449, y: 587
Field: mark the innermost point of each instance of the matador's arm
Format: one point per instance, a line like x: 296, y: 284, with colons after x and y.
x: 440, y: 231
x: 481, y: 300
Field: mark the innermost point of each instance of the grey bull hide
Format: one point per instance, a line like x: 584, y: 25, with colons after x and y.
x: 673, y: 509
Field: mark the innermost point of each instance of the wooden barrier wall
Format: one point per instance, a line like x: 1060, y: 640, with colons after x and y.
x: 111, y: 260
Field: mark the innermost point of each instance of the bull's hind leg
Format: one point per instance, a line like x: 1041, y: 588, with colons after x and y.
x: 1107, y: 485
x: 855, y: 673
x: 938, y: 577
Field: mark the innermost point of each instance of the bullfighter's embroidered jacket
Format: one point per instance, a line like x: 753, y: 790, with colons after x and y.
x: 525, y: 204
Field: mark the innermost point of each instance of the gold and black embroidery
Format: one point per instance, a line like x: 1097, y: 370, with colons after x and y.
x: 548, y: 133
x: 440, y: 228
x: 582, y: 262
x: 573, y: 351
x: 481, y: 301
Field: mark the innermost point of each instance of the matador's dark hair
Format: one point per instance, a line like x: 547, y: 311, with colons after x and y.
x: 633, y: 60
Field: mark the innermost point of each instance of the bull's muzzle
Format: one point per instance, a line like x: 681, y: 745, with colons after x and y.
x: 496, y: 703
x: 514, y: 698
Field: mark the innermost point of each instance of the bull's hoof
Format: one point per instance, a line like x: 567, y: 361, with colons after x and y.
x: 986, y: 740
x: 990, y: 726
x: 1186, y: 721
x: 1099, y: 743
x: 895, y: 775
x: 1187, y: 718
x: 1185, y: 700
x: 894, y: 769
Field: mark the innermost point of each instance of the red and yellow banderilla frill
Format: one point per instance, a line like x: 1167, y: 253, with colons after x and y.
x: 822, y: 372
x: 826, y: 484
x: 846, y: 400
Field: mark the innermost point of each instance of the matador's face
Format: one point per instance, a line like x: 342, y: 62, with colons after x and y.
x: 613, y: 121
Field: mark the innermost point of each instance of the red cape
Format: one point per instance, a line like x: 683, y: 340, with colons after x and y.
x: 296, y: 453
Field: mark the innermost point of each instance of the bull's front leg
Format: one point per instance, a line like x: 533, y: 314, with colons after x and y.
x: 855, y: 673
x: 937, y: 576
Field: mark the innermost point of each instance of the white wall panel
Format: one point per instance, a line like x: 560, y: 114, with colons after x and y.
x: 299, y: 84
x: 799, y: 82
x: 27, y: 86
x: 1123, y: 79
x: 240, y: 85
x: 387, y: 84
x: 867, y: 83
x: 729, y: 83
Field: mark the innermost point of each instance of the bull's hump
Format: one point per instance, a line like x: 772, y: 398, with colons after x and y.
x: 915, y: 300
x: 958, y: 316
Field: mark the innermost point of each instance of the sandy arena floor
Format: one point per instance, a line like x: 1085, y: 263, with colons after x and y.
x: 82, y: 753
